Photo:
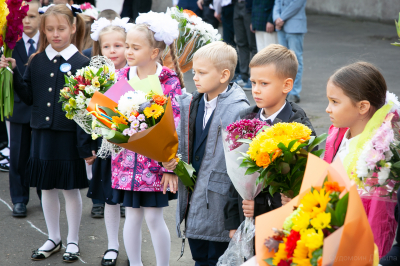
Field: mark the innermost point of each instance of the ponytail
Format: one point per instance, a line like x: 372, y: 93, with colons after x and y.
x: 79, y: 36
x: 176, y: 64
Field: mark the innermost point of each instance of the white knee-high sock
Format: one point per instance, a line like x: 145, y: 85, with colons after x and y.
x: 159, y: 234
x: 112, y: 218
x: 73, y: 208
x: 133, y: 234
x: 51, y: 211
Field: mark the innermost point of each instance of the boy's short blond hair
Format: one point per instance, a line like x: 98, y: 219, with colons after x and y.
x: 285, y: 60
x: 221, y: 55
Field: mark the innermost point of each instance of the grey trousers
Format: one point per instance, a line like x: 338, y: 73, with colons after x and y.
x: 245, y: 39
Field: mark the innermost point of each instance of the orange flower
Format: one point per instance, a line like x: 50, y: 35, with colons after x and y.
x: 263, y: 160
x: 319, y: 262
x: 159, y: 99
x: 332, y: 187
x: 135, y: 113
x: 189, y: 12
x: 119, y: 120
x: 276, y: 154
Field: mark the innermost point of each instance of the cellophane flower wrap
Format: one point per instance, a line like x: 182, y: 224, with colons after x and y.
x: 325, y: 224
x: 12, y: 12
x: 241, y: 245
x: 374, y: 159
x: 279, y: 155
x: 79, y: 89
x: 194, y: 33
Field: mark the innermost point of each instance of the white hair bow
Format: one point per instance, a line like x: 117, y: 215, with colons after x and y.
x: 164, y: 27
x: 74, y: 8
x: 101, y: 23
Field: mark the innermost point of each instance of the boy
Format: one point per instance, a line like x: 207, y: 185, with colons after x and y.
x: 20, y: 130
x: 214, y: 106
x: 272, y: 74
x: 291, y: 23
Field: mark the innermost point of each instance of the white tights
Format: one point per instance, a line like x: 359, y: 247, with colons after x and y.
x: 159, y: 234
x: 51, y: 210
x: 112, y: 218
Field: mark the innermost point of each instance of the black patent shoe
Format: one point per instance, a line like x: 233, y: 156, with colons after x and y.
x: 109, y: 262
x: 71, y: 256
x: 44, y: 254
x: 122, y: 211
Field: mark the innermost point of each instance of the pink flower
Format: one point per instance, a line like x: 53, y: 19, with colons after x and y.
x: 242, y: 129
x: 148, y: 176
x: 373, y: 157
x: 141, y: 117
x: 383, y: 137
x: 143, y: 126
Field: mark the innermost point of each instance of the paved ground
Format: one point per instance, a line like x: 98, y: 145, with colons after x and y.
x: 331, y: 42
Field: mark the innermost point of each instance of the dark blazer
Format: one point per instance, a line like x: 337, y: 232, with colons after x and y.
x: 132, y: 8
x: 264, y: 202
x: 261, y: 14
x: 41, y: 87
x: 22, y: 112
x: 87, y: 52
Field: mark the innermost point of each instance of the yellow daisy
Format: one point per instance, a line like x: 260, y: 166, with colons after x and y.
x: 315, y: 202
x: 154, y: 110
x: 300, y: 255
x: 281, y: 254
x: 312, y: 239
x: 321, y: 221
x: 301, y: 221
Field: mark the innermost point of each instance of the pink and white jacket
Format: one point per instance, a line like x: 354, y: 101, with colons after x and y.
x: 135, y: 172
x: 335, y: 137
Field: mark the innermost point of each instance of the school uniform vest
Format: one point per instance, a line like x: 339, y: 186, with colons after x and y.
x: 200, y: 139
x: 45, y: 80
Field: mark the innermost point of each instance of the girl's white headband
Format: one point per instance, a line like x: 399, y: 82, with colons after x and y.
x: 101, y: 23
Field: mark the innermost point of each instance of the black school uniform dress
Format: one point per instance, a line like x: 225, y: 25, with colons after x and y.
x: 58, y: 144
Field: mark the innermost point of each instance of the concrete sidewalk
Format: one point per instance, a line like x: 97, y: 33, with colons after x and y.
x: 331, y: 42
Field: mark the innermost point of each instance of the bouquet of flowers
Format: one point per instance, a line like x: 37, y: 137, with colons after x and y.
x: 397, y: 23
x: 12, y: 12
x: 241, y: 245
x: 194, y: 33
x: 89, y: 10
x: 325, y: 225
x: 142, y: 121
x: 278, y: 154
x: 99, y: 76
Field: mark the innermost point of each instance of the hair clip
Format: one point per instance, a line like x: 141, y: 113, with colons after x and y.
x: 74, y: 8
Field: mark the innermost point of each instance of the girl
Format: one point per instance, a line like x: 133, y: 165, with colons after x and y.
x: 138, y: 180
x: 109, y: 40
x: 58, y: 144
x: 355, y: 92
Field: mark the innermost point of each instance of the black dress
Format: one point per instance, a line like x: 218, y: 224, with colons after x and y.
x: 58, y: 144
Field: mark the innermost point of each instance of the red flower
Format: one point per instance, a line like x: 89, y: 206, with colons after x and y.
x: 285, y: 263
x: 291, y: 242
x: 14, y: 21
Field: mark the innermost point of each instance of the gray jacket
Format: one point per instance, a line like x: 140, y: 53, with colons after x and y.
x: 205, y: 213
x: 293, y: 12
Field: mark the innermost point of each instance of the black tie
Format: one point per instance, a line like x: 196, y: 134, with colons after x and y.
x: 269, y: 122
x: 31, y: 49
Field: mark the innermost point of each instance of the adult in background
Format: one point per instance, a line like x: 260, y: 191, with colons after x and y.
x: 132, y: 8
x: 245, y: 40
x: 262, y: 23
x: 291, y: 23
x: 20, y: 129
x: 208, y: 12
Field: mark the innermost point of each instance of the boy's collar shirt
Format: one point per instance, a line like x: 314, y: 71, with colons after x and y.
x: 209, y: 107
x: 271, y: 117
x: 67, y: 53
x: 26, y: 38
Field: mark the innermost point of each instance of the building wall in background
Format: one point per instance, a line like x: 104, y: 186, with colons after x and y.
x: 161, y: 5
x: 383, y: 10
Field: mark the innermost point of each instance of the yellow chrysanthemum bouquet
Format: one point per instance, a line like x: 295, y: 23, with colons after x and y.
x: 279, y: 154
x: 324, y: 225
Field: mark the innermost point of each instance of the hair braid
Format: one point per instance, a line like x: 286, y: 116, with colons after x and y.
x: 176, y: 64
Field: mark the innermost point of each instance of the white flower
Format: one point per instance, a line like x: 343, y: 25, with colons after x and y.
x: 88, y: 101
x: 393, y: 98
x: 91, y: 89
x: 80, y: 101
x: 131, y: 101
x: 388, y: 155
x: 383, y: 175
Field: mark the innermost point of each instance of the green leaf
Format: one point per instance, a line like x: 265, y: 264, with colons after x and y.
x: 247, y: 164
x: 282, y: 147
x: 99, y: 71
x: 288, y: 156
x: 334, y: 220
x: 252, y: 170
x: 122, y: 127
x: 318, y: 153
x: 396, y: 165
x: 315, y: 256
x: 116, y: 137
x: 269, y: 261
x: 108, y: 111
x: 318, y: 140
x: 273, y: 190
x: 341, y: 209
x: 66, y: 80
x: 291, y: 144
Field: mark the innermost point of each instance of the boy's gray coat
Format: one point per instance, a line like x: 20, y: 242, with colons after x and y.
x: 205, y: 218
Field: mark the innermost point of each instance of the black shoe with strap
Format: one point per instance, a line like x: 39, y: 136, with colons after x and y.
x: 44, y: 254
x: 109, y: 262
x: 71, y: 256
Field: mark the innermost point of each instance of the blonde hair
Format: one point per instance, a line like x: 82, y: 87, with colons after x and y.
x: 97, y: 44
x: 285, y: 60
x: 221, y: 55
x: 160, y: 45
x: 61, y: 10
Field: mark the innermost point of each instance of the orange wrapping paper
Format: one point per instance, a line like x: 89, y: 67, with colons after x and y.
x: 352, y: 244
x: 159, y: 142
